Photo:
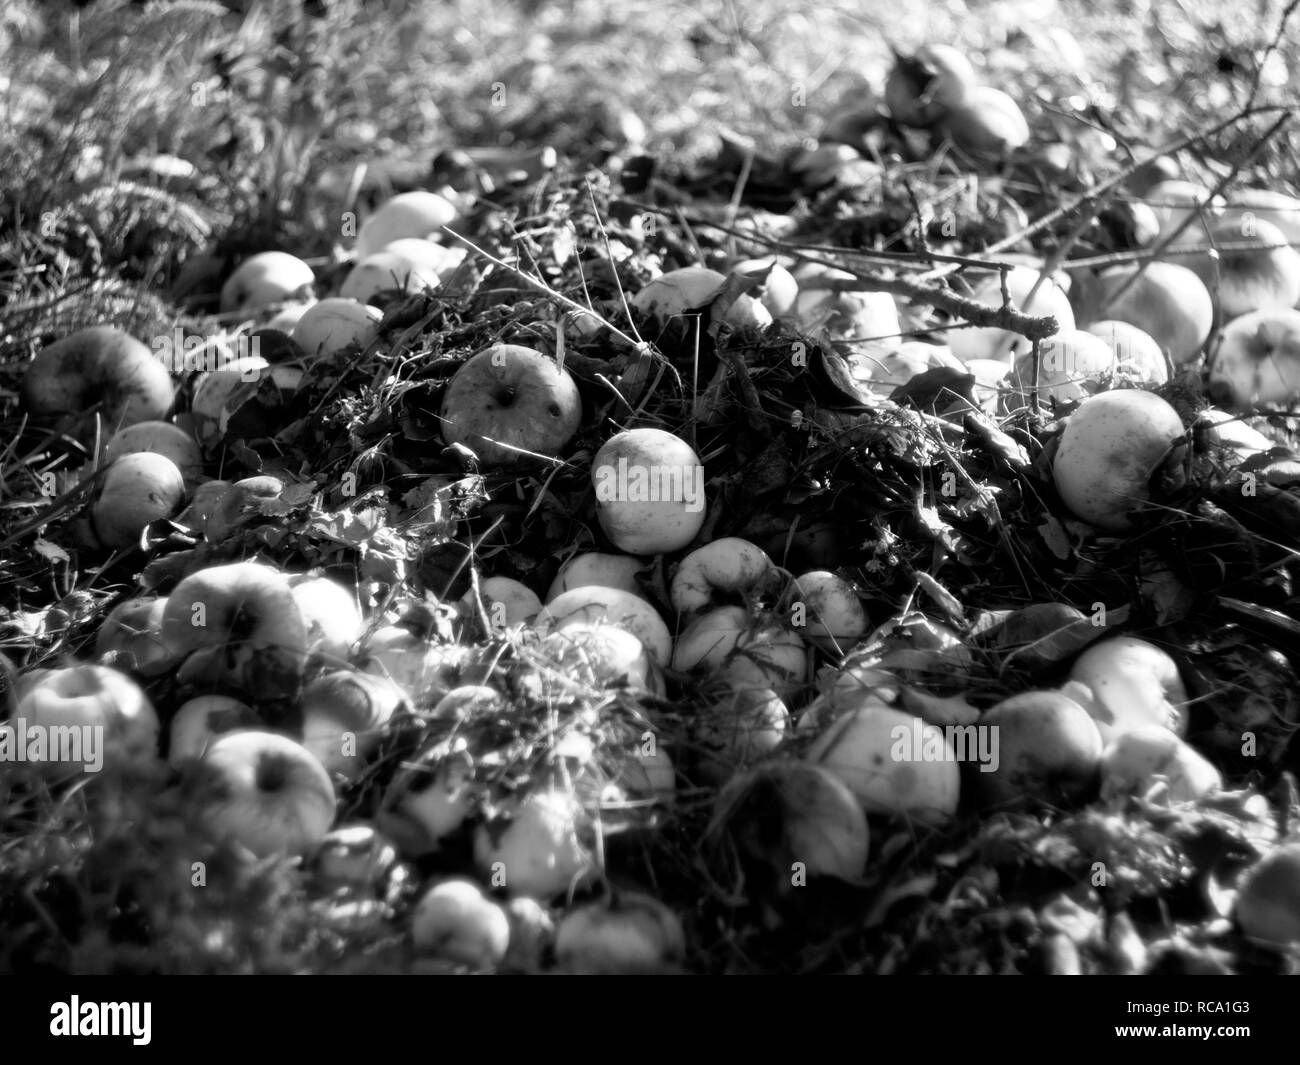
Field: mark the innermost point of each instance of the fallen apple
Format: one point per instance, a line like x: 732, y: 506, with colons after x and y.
x: 162, y: 438
x: 1137, y: 756
x: 628, y: 933
x: 1003, y: 345
x: 1071, y: 366
x: 265, y: 793
x: 1267, y: 908
x: 1253, y: 268
x: 355, y: 857
x: 1048, y: 750
x: 726, y: 568
x: 139, y: 488
x: 778, y: 291
x: 1167, y: 301
x: 740, y: 728
x: 386, y: 271
x: 595, y: 567
x: 1255, y: 361
x: 100, y: 365
x: 532, y: 933
x: 539, y: 851
x: 237, y: 624
x: 239, y: 505
x: 1112, y: 448
x: 601, y: 655
x: 1137, y: 355
x: 79, y: 719
x: 221, y: 392
x: 824, y: 608
x: 133, y: 628
x: 343, y: 718
x: 456, y: 921
x: 332, y: 325
x: 987, y: 125
x: 1132, y: 683
x: 409, y: 214
x: 428, y: 801
x: 834, y: 300
x: 509, y: 405
x: 200, y: 721
x: 1174, y: 200
x: 594, y: 603
x: 507, y: 602
x: 438, y: 259
x: 265, y: 279
x: 690, y: 288
x: 330, y: 612
x: 649, y: 491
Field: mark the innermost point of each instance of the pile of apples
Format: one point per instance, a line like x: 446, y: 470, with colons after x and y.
x: 747, y: 636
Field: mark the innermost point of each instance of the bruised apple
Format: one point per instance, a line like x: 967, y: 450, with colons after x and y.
x: 649, y: 491
x: 161, y: 438
x: 509, y: 405
x: 138, y: 488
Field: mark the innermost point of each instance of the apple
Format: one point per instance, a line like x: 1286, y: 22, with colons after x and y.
x: 594, y: 603
x: 429, y: 800
x: 693, y: 288
x: 767, y: 655
x: 237, y: 624
x: 423, y: 668
x: 595, y: 567
x: 895, y: 763
x: 1071, y: 366
x: 332, y: 325
x: 409, y: 214
x: 343, y: 718
x: 847, y: 314
x: 1137, y: 355
x: 728, y: 567
x: 433, y: 258
x: 456, y: 921
x: 628, y: 933
x: 134, y: 628
x: 510, y: 404
x: 649, y: 491
x: 709, y: 638
x: 330, y: 612
x: 1048, y: 750
x: 1173, y: 201
x: 239, y: 506
x: 1225, y: 430
x: 1256, y: 269
x: 990, y: 342
x: 162, y: 438
x: 138, y: 488
x: 987, y: 125
x: 1276, y: 208
x: 1167, y: 301
x: 1255, y: 361
x: 921, y: 89
x: 1112, y: 447
x: 601, y: 655
x: 738, y: 729
x: 100, y: 365
x: 506, y: 601
x: 207, y: 497
x: 1132, y: 683
x: 265, y: 793
x: 826, y: 611
x: 78, y: 719
x: 353, y: 857
x: 778, y: 291
x: 265, y: 279
x: 200, y: 721
x: 540, y: 850
x: 219, y: 393
x: 286, y: 318
x: 1137, y: 756
x: 532, y: 930
x: 386, y: 271
x: 1268, y: 903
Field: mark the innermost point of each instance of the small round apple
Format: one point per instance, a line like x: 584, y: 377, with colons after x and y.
x: 1134, y: 759
x: 990, y: 342
x: 649, y: 491
x: 437, y: 259
x: 343, y: 717
x: 987, y: 125
x: 352, y: 857
x: 100, y: 365
x: 428, y: 801
x: 66, y: 702
x: 1137, y: 355
x: 1268, y: 905
x: 237, y: 624
x: 540, y: 851
x: 409, y: 214
x: 692, y: 287
x: 265, y: 793
x: 510, y: 405
x: 829, y: 612
x: 1255, y: 270
x: 456, y: 921
x: 1132, y: 683
x: 595, y: 567
x: 330, y: 612
x: 138, y: 488
x: 506, y: 601
x: 1167, y: 301
x: 239, y: 505
x: 134, y: 628
x: 597, y: 604
x: 264, y: 279
x: 200, y: 721
x: 331, y: 325
x: 727, y: 567
x: 1048, y: 750
x: 386, y: 271
x: 162, y: 438
x: 1112, y: 447
x: 602, y: 655
x: 631, y: 933
x: 1255, y: 361
x: 778, y: 292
